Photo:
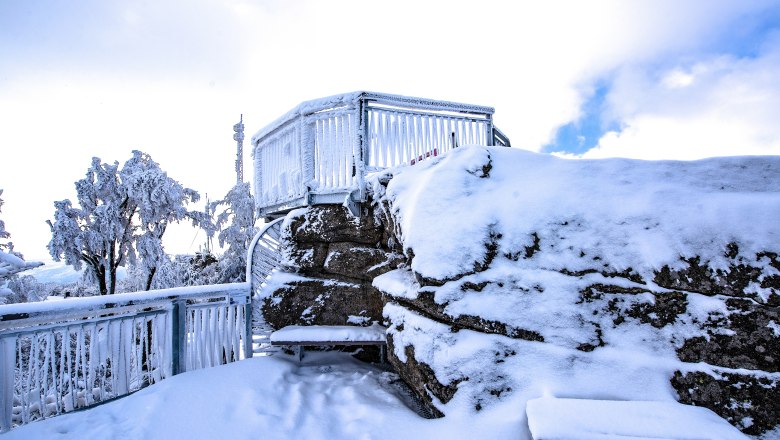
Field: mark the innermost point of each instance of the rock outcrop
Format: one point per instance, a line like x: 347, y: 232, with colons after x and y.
x: 336, y: 256
x: 701, y: 328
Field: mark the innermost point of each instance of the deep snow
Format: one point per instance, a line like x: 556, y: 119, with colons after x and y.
x: 332, y: 396
x: 328, y: 396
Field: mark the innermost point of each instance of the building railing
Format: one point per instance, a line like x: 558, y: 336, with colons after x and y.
x: 58, y: 356
x: 321, y: 151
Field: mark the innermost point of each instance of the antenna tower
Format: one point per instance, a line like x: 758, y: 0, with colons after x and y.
x: 238, y: 136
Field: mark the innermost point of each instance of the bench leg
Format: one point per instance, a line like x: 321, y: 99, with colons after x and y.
x: 299, y: 352
x: 383, y: 354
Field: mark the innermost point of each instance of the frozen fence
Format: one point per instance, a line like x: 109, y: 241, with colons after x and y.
x: 320, y: 151
x: 56, y: 357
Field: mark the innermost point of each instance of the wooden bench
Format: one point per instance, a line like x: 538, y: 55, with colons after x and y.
x: 300, y: 336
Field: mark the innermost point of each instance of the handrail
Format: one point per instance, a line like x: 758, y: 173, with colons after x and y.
x: 58, y: 356
x: 321, y: 150
x: 263, y: 257
x: 22, y: 314
x: 500, y: 139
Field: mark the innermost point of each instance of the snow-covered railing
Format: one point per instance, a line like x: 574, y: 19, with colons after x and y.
x: 58, y: 356
x: 320, y: 151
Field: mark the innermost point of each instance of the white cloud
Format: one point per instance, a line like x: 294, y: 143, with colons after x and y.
x: 714, y: 107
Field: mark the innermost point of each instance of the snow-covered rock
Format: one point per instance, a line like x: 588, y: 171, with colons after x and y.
x: 531, y: 275
x: 334, y: 257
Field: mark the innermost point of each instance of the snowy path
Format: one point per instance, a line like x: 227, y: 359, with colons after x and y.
x: 329, y: 396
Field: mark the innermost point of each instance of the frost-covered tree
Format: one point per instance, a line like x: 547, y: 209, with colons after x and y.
x: 26, y: 288
x: 239, y: 216
x: 121, y: 217
x: 11, y: 263
x: 4, y: 235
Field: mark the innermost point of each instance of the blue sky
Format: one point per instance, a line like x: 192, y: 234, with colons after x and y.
x: 747, y: 37
x: 583, y: 133
x: 651, y: 79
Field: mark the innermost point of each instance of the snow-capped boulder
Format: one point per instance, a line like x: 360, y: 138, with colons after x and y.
x: 530, y: 275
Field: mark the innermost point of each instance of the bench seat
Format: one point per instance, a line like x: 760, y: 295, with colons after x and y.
x: 300, y: 336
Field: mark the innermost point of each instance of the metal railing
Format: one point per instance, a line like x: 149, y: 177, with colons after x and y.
x: 321, y: 151
x: 59, y: 356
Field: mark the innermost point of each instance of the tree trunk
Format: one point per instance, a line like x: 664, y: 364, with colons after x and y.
x: 100, y: 272
x: 113, y: 280
x: 112, y: 267
x: 149, y: 278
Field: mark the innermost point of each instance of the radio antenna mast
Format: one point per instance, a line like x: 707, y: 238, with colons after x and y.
x: 238, y: 136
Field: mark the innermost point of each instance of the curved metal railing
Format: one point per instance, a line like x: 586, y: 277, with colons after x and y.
x: 263, y: 257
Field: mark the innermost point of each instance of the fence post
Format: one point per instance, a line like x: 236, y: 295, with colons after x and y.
x: 363, y: 144
x: 306, y: 145
x: 489, y: 131
x: 7, y: 370
x: 248, y: 333
x: 179, y: 336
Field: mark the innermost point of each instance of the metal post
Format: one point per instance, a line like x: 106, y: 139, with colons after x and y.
x: 489, y: 129
x: 248, y: 333
x: 258, y: 166
x: 7, y: 370
x: 364, y: 149
x: 307, y: 155
x: 179, y: 337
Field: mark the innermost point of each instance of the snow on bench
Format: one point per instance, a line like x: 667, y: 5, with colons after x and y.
x: 323, y: 335
x: 550, y: 418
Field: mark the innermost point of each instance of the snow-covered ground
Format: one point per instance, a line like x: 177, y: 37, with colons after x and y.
x: 332, y: 396
x: 55, y: 272
x: 328, y: 396
x: 58, y: 272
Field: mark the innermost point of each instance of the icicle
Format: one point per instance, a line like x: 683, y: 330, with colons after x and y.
x: 82, y: 361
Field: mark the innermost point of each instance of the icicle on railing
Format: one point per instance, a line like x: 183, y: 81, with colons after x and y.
x: 214, y: 335
x: 57, y: 369
x: 280, y: 177
x: 334, y: 134
x: 398, y: 137
x: 59, y: 357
